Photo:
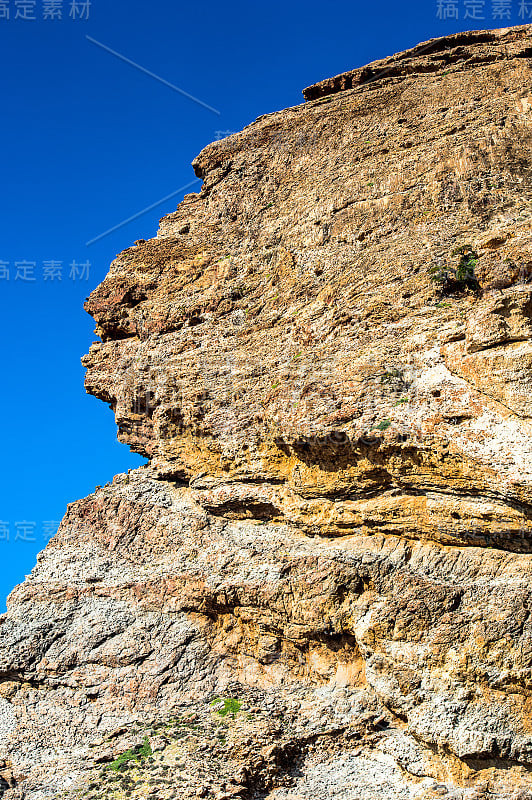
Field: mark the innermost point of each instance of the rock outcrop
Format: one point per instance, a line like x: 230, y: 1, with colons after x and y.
x: 321, y: 583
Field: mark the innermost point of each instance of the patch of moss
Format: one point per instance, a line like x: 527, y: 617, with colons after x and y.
x: 226, y: 706
x: 382, y: 426
x: 138, y: 753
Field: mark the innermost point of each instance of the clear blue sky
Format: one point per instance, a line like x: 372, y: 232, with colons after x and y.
x: 87, y: 141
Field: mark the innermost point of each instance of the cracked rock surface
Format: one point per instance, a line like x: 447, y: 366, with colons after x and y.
x: 320, y: 584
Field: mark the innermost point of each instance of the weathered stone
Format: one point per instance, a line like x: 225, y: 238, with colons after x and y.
x: 326, y: 357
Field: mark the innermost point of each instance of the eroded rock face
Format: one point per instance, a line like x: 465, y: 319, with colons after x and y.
x: 326, y: 357
x: 287, y: 313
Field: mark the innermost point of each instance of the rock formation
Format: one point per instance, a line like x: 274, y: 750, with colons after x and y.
x: 320, y: 585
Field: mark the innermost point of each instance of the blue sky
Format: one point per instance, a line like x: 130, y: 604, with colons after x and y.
x: 87, y: 141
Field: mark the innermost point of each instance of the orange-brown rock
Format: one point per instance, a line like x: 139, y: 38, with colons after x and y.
x: 285, y: 325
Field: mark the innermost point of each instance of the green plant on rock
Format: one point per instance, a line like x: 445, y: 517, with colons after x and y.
x: 138, y: 753
x: 452, y: 279
x: 382, y: 426
x: 391, y: 375
x: 226, y: 706
x: 465, y: 271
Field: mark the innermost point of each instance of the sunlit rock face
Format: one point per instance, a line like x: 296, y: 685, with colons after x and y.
x: 320, y: 585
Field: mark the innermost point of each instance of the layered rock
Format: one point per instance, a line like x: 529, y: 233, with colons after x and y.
x: 326, y: 357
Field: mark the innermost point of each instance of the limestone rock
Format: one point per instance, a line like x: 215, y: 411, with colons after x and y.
x: 320, y: 584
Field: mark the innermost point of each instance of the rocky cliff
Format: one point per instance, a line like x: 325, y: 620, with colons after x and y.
x: 321, y: 583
